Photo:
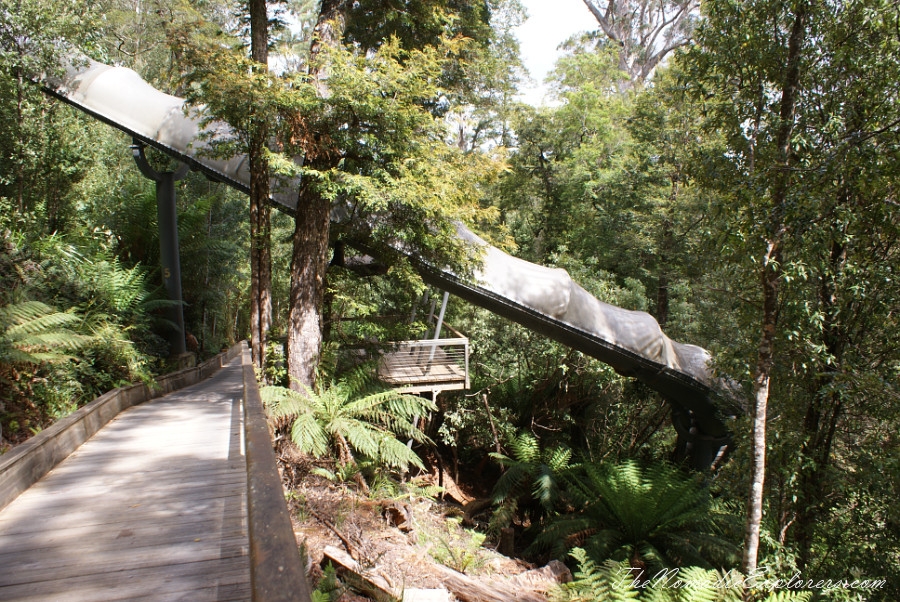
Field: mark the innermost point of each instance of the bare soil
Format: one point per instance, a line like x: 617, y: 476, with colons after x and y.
x: 395, y: 531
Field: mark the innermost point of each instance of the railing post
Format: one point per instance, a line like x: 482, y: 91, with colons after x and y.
x: 466, y: 352
x: 437, y: 328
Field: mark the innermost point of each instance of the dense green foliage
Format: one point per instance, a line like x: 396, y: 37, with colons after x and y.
x: 616, y: 581
x: 740, y: 218
x: 355, y: 419
x: 655, y: 518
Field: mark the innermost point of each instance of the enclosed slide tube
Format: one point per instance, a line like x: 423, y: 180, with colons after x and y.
x: 543, y: 299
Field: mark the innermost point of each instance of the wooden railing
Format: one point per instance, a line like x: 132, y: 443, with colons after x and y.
x: 276, y: 569
x: 29, y: 462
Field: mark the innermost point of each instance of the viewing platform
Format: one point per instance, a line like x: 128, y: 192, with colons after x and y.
x: 427, y: 366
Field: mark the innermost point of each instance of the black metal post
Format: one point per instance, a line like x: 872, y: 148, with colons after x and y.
x: 169, y: 257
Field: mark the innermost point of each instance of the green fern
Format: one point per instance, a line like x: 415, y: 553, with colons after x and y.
x: 32, y: 332
x: 608, y: 582
x: 788, y: 596
x: 613, y: 581
x: 354, y: 416
x: 694, y: 584
x: 529, y: 463
x: 656, y: 516
x: 329, y: 588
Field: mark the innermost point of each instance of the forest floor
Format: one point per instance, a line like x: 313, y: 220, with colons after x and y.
x: 409, y: 541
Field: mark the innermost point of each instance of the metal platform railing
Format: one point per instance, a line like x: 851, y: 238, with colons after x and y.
x: 429, y: 365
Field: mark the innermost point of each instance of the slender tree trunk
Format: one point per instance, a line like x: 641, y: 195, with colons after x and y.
x: 770, y: 280
x: 666, y: 247
x: 260, y: 256
x: 309, y: 259
x: 260, y: 228
x: 20, y: 126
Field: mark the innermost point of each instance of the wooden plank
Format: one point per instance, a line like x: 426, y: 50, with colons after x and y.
x: 237, y: 592
x: 34, y: 568
x: 121, y: 535
x: 125, y: 585
x: 185, y: 485
x: 23, y: 520
x: 153, y: 507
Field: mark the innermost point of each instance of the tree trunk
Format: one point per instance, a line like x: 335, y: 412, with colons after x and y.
x: 308, y: 264
x: 20, y: 126
x: 309, y: 258
x: 666, y: 247
x: 328, y: 32
x: 260, y: 256
x: 771, y: 279
x: 260, y: 228
x: 771, y: 283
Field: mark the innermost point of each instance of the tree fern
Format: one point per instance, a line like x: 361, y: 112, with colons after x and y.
x: 542, y: 469
x: 655, y: 517
x: 354, y: 416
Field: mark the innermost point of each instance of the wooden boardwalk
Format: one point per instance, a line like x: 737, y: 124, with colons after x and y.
x: 152, y: 507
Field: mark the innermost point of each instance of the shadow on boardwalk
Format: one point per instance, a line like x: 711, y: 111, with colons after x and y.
x: 153, y: 507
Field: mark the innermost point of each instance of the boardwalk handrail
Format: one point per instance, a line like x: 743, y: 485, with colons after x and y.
x: 27, y: 463
x: 276, y: 568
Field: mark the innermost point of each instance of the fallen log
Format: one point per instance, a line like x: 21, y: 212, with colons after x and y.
x: 468, y: 589
x: 543, y: 579
x: 366, y: 582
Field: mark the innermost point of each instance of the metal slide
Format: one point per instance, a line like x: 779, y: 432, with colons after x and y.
x: 545, y: 300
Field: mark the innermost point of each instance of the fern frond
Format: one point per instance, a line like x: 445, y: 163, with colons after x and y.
x: 397, y: 455
x: 33, y: 332
x: 610, y: 581
x: 282, y: 402
x: 526, y: 448
x: 509, y: 482
x: 362, y: 436
x: 546, y: 490
x: 559, y: 458
x: 309, y: 436
x: 502, y: 516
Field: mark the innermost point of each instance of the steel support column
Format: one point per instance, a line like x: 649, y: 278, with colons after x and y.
x: 169, y: 257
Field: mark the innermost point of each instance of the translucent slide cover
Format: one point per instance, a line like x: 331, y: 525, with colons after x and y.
x: 543, y: 299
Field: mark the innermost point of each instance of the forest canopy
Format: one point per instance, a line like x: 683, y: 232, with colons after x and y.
x: 735, y: 176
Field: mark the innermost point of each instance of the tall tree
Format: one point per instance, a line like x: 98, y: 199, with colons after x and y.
x: 766, y: 163
x: 260, y: 222
x: 309, y: 259
x: 644, y: 32
x: 34, y: 157
x: 375, y: 140
x: 789, y: 88
x: 770, y: 278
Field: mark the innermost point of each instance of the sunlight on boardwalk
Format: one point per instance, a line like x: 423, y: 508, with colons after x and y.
x: 153, y: 507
